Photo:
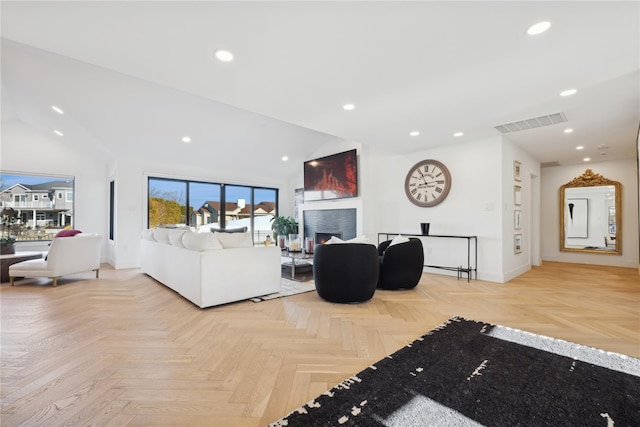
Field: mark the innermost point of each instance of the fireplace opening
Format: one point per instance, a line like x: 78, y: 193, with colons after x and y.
x: 322, y: 237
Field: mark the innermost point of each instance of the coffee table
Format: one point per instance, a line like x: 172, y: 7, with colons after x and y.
x: 297, y: 263
x: 10, y: 259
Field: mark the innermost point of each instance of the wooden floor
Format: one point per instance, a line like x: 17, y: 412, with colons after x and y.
x: 124, y: 350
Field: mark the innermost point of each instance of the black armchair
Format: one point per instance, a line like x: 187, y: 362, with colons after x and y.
x: 346, y: 272
x: 400, y: 265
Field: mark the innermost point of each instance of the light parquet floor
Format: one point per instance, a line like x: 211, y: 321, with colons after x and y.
x: 123, y: 350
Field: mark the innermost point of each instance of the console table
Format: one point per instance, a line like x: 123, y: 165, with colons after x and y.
x: 10, y: 259
x: 471, y: 270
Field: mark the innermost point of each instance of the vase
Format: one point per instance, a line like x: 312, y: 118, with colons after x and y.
x: 7, y: 250
x: 295, y: 245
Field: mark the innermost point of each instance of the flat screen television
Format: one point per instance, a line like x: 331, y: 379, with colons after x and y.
x: 331, y: 177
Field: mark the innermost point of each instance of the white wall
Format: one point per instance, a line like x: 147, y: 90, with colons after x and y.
x: 552, y: 178
x: 480, y: 203
x: 27, y: 150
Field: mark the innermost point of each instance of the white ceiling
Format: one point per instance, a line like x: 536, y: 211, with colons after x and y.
x: 134, y: 77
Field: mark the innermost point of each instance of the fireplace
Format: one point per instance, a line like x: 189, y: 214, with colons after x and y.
x: 332, y: 222
x: 322, y: 237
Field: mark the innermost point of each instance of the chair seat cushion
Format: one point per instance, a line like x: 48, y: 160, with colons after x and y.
x: 32, y: 267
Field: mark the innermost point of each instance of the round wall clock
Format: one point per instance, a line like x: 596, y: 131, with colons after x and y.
x: 428, y: 183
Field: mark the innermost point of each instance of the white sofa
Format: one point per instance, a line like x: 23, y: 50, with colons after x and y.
x: 67, y: 255
x: 210, y: 269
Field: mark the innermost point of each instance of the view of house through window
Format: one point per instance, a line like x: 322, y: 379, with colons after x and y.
x: 204, y: 205
x: 36, y: 207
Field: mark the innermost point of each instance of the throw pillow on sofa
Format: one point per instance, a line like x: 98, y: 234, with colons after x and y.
x: 161, y: 235
x: 234, y: 240
x: 200, y: 241
x: 175, y: 236
x: 148, y: 235
x: 67, y: 233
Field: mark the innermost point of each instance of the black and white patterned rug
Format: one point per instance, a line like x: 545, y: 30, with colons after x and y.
x: 288, y: 288
x: 469, y: 373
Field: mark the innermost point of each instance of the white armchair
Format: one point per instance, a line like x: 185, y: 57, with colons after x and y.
x: 67, y: 255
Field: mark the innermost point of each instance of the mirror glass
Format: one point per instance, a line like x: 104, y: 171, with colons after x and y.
x: 590, y: 215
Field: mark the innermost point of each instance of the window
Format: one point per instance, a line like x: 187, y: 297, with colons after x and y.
x: 202, y: 205
x: 39, y: 215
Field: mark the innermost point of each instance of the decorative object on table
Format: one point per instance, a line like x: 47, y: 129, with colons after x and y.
x: 331, y: 177
x: 424, y: 228
x: 517, y: 195
x: 517, y: 170
x: 469, y: 373
x: 428, y: 183
x: 282, y: 226
x: 7, y: 239
x: 346, y: 272
x: 308, y: 244
x: 295, y: 243
x: 401, y: 264
x: 517, y: 243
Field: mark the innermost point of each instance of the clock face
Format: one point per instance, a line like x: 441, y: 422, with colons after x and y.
x: 428, y: 183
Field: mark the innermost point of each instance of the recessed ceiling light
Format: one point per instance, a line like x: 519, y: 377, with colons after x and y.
x: 57, y: 132
x: 569, y: 130
x: 414, y: 133
x: 285, y: 158
x: 224, y: 55
x: 457, y: 134
x: 186, y: 139
x: 57, y: 109
x: 568, y: 92
x: 579, y: 147
x: 538, y: 28
x: 348, y: 107
x: 587, y: 159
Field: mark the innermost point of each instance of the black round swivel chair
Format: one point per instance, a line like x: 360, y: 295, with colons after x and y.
x: 400, y: 265
x: 346, y: 272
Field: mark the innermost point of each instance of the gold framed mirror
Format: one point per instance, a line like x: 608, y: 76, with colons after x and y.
x: 591, y: 215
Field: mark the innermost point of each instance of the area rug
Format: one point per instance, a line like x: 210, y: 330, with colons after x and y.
x: 469, y: 373
x: 288, y: 288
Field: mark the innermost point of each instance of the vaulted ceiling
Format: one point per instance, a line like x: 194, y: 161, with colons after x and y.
x: 133, y: 78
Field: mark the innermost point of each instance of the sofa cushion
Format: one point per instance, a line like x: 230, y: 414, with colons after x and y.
x: 200, y: 241
x: 175, y: 236
x: 67, y: 233
x: 162, y: 235
x: 148, y: 235
x: 234, y: 240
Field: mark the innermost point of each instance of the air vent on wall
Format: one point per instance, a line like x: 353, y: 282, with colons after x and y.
x: 550, y: 164
x: 536, y: 122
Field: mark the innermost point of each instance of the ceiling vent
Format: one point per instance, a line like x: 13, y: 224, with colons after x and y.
x: 549, y: 164
x: 551, y: 119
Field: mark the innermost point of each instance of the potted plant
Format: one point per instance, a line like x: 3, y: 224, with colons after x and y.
x: 7, y: 242
x: 282, y: 226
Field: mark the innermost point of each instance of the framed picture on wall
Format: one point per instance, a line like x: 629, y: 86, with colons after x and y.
x: 517, y: 170
x: 517, y: 195
x: 517, y: 219
x: 517, y: 243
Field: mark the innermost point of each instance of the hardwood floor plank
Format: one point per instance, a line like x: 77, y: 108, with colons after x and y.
x: 124, y: 350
